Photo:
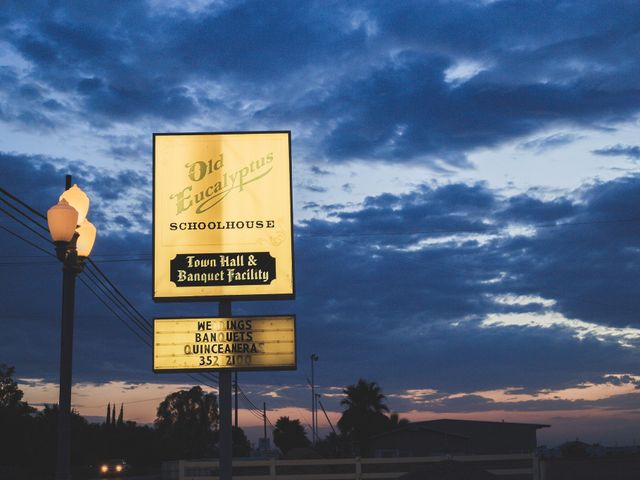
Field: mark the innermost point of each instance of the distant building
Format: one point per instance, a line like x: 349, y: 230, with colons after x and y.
x: 264, y: 444
x: 441, y: 437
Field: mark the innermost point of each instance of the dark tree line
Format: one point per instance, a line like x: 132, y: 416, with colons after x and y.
x: 186, y: 426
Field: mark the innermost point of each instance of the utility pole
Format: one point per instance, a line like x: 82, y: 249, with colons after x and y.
x: 327, y: 417
x: 235, y: 388
x: 314, y: 358
x: 316, y: 409
x: 264, y: 420
x: 224, y: 392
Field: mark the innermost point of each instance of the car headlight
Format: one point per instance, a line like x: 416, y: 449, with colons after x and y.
x: 118, y: 468
x: 104, y: 469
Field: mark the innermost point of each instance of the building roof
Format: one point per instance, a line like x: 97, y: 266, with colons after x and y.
x: 443, y: 421
x: 440, y: 426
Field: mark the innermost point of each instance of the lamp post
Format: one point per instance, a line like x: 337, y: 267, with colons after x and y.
x: 315, y: 406
x: 73, y: 236
x: 314, y: 358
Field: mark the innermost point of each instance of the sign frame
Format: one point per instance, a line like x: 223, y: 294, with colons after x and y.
x: 229, y: 297
x: 219, y: 370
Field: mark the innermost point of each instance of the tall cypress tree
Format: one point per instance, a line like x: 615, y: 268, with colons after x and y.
x: 113, y: 416
x: 108, y: 422
x: 121, y: 416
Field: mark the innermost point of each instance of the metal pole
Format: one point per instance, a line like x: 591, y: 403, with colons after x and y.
x: 315, y: 406
x: 235, y: 391
x: 63, y: 458
x: 313, y: 401
x: 63, y: 471
x: 224, y: 392
x: 264, y: 421
x: 327, y: 417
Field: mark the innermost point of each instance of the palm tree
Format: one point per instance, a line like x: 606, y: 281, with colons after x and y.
x: 364, y: 415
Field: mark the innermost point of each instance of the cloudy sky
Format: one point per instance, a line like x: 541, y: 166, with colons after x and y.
x: 466, y: 196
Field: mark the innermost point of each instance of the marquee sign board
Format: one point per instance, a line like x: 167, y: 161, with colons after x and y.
x: 222, y: 217
x: 224, y: 343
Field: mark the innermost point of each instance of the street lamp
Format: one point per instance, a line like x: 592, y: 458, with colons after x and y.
x: 314, y: 358
x: 74, y: 236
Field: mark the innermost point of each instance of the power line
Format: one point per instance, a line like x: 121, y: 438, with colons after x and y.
x: 26, y: 241
x: 258, y: 413
x: 123, y: 403
x: 252, y: 407
x: 25, y: 205
x: 114, y: 295
x: 98, y: 282
x: 144, y: 340
x: 134, y: 309
x: 22, y: 223
x: 249, y: 401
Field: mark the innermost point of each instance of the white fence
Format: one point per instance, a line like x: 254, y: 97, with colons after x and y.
x: 509, y: 466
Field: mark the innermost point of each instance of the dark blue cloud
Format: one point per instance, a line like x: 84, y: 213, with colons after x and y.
x: 401, y: 302
x: 526, y: 210
x: 540, y: 145
x: 407, y: 109
x: 374, y: 80
x: 319, y: 171
x: 590, y: 264
x: 631, y: 151
x: 401, y: 283
x: 311, y: 187
x: 110, y: 191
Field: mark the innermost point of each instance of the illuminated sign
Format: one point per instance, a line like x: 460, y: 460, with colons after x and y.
x: 222, y: 222
x: 219, y: 343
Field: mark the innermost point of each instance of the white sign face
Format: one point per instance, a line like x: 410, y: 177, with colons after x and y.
x: 222, y: 219
x: 221, y: 343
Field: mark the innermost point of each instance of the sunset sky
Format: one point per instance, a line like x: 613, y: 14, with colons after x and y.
x: 465, y: 183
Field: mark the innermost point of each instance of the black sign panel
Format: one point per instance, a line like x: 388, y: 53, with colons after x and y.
x: 213, y: 269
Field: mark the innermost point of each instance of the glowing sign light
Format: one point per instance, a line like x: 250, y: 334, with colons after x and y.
x: 222, y: 221
x: 219, y: 343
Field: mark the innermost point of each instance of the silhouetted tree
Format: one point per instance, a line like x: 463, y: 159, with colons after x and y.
x: 189, y: 418
x: 113, y: 415
x: 46, y: 424
x: 28, y: 439
x: 15, y: 420
x: 364, y: 414
x: 10, y: 394
x: 108, y: 422
x: 289, y: 434
x: 121, y: 416
x: 241, y: 444
x: 575, y: 449
x: 332, y: 446
x: 396, y: 422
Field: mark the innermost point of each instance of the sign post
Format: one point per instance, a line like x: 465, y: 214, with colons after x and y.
x: 223, y: 229
x: 224, y: 392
